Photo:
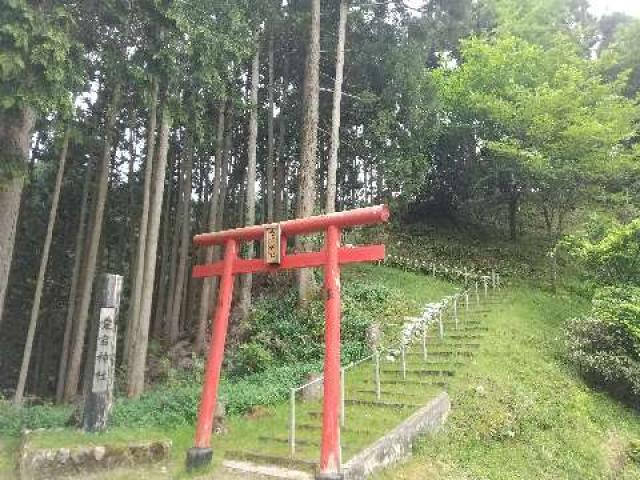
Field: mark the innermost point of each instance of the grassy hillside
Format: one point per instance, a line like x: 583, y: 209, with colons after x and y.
x: 168, y: 410
x: 518, y: 410
x: 520, y: 413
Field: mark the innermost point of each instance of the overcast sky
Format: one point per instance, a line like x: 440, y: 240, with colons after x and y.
x: 598, y: 7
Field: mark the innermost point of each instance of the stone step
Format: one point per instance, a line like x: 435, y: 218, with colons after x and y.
x: 453, y: 335
x: 426, y: 372
x: 463, y: 325
x: 380, y: 403
x: 281, y: 461
x: 285, y: 440
x: 250, y: 470
x: 413, y: 362
x: 454, y: 343
x: 318, y: 427
x: 369, y: 403
x: 442, y: 353
x: 410, y: 382
x: 389, y: 392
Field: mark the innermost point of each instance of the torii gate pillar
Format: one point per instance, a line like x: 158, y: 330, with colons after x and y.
x: 276, y: 259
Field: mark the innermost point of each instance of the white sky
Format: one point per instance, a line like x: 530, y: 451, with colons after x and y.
x: 598, y: 7
x: 601, y: 7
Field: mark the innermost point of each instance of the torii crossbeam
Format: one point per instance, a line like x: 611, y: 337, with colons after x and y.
x: 276, y: 258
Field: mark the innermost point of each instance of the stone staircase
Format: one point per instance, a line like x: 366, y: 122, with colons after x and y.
x: 367, y: 417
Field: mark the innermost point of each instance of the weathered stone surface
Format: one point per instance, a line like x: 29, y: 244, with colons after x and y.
x: 398, y: 443
x: 53, y: 463
x: 265, y: 471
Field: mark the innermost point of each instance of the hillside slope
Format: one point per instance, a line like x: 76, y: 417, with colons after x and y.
x: 520, y: 412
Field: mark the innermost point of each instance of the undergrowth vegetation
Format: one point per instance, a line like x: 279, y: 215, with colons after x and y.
x: 605, y: 344
x: 282, y: 346
x: 280, y: 333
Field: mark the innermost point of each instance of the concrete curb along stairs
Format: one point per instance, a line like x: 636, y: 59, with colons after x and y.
x: 398, y: 443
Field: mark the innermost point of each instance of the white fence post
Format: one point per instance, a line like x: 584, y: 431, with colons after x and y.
x: 455, y: 309
x: 377, y: 375
x: 292, y: 422
x: 424, y: 340
x: 342, y: 412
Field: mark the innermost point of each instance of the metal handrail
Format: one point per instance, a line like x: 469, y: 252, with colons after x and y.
x: 425, y: 320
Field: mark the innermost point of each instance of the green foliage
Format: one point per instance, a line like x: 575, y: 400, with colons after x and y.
x: 13, y: 420
x: 620, y: 61
x: 282, y: 333
x: 38, y: 56
x: 11, y: 168
x: 546, y: 119
x: 177, y: 403
x: 538, y: 21
x: 610, y: 255
x: 619, y: 309
x: 252, y: 358
x: 594, y: 347
x: 605, y: 346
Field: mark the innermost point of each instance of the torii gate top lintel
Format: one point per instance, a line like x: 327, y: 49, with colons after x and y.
x: 276, y: 258
x: 299, y: 226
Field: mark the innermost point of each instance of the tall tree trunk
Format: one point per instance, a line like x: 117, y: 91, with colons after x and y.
x: 130, y: 241
x: 173, y: 322
x: 280, y: 201
x: 75, y: 357
x: 513, y: 216
x: 269, y: 188
x: 16, y: 126
x: 136, y: 282
x: 141, y: 339
x: 75, y: 282
x: 246, y: 280
x: 165, y: 257
x: 44, y: 260
x: 167, y: 313
x: 308, y: 144
x: 214, y: 206
x: 224, y: 178
x: 332, y: 166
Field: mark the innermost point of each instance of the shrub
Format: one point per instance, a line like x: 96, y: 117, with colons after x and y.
x: 605, y: 354
x: 605, y: 346
x: 619, y: 308
x: 251, y: 358
x: 177, y: 403
x: 282, y: 333
x: 13, y: 420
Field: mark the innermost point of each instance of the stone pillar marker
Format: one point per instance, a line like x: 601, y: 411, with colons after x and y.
x: 100, y: 371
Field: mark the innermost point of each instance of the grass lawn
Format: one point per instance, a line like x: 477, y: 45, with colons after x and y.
x: 520, y: 413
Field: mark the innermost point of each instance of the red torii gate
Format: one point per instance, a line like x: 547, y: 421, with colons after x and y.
x: 275, y: 258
